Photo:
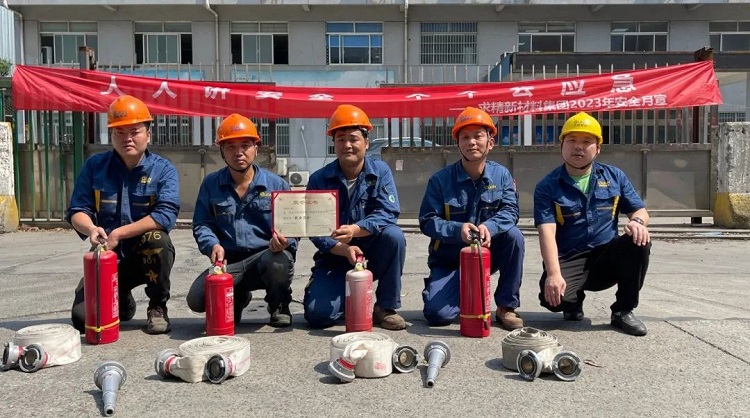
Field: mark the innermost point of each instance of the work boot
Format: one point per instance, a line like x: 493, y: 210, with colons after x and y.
x: 127, y: 307
x: 574, y: 315
x: 628, y: 323
x: 387, y: 319
x: 158, y: 320
x: 508, y: 318
x: 281, y: 317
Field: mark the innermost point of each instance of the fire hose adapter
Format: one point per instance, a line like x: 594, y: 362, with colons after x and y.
x: 405, y: 359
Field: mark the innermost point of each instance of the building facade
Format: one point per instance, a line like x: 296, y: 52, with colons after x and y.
x: 363, y: 43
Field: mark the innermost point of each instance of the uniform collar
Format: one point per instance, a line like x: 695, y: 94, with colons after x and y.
x: 462, y: 175
x: 333, y: 170
x: 225, y: 177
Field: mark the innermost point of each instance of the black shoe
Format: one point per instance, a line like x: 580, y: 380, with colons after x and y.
x: 576, y: 315
x: 281, y: 318
x: 628, y: 323
x: 240, y: 307
x: 127, y: 307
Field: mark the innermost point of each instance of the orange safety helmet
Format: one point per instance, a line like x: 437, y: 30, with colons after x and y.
x: 127, y: 110
x: 473, y: 116
x: 347, y: 116
x: 237, y: 126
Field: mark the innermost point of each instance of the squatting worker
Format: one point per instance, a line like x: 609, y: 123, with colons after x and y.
x: 576, y: 210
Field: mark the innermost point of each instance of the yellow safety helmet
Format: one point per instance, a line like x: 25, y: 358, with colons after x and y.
x: 582, y: 122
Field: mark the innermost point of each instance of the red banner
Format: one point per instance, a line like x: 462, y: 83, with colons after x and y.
x: 42, y: 88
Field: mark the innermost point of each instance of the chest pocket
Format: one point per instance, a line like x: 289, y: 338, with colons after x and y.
x: 455, y: 209
x: 224, y: 212
x: 142, y: 201
x: 105, y: 205
x: 567, y: 211
x: 489, y: 203
x: 261, y: 203
x: 605, y: 201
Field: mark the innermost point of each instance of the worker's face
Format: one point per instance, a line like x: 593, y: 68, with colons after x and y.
x: 350, y: 145
x: 579, y: 149
x: 239, y: 153
x: 474, y: 142
x: 131, y: 141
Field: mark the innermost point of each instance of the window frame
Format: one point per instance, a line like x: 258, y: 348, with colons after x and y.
x: 68, y: 32
x: 546, y: 33
x: 342, y: 48
x: 163, y: 32
x: 259, y: 33
x: 449, y: 33
x: 637, y: 34
x: 720, y: 33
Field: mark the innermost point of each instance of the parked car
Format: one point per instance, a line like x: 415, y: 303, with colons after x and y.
x: 377, y: 144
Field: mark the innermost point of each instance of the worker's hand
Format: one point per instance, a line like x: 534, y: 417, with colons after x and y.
x: 639, y: 232
x: 484, y: 236
x: 217, y: 253
x: 466, y: 232
x: 554, y: 289
x: 345, y: 233
x: 113, y: 239
x: 352, y: 253
x: 278, y: 243
x: 97, y: 236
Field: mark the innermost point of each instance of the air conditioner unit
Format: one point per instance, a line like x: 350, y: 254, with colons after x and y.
x: 281, y: 165
x: 299, y: 178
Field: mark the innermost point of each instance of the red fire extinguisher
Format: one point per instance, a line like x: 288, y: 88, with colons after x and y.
x: 219, y: 301
x: 474, y: 317
x: 358, y: 303
x: 100, y: 290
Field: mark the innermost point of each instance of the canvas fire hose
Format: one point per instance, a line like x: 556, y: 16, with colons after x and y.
x: 43, y: 345
x: 531, y: 352
x: 373, y: 351
x: 207, y: 358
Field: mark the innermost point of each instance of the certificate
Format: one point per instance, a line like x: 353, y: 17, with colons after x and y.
x: 311, y: 213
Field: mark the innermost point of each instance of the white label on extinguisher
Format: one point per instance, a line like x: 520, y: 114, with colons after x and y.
x: 229, y: 305
x: 348, y: 291
x: 115, y: 296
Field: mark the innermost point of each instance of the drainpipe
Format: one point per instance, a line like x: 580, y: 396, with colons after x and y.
x: 20, y: 17
x: 406, y: 40
x: 207, y: 5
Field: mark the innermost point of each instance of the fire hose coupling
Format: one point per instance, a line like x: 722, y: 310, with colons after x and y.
x: 536, y: 352
x: 219, y: 368
x: 163, y: 362
x: 33, y: 358
x: 11, y: 355
x: 405, y: 359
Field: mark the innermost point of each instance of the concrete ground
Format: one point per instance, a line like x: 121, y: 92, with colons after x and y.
x: 693, y: 362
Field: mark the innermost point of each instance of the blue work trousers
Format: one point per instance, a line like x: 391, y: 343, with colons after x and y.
x: 442, y: 289
x: 385, y: 253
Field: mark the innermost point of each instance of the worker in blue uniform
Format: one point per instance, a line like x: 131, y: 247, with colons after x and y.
x: 576, y: 210
x: 368, y: 209
x: 232, y: 226
x: 128, y: 198
x: 472, y: 196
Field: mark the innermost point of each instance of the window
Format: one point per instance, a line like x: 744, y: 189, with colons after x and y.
x: 438, y: 130
x: 729, y: 36
x: 448, y: 43
x: 639, y: 36
x: 731, y: 117
x: 354, y: 43
x: 546, y: 37
x: 378, y: 131
x: 171, y: 130
x: 60, y: 40
x: 281, y: 131
x: 260, y: 43
x: 163, y: 43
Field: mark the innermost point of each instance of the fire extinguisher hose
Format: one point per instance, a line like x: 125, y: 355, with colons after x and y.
x: 194, y: 354
x: 485, y: 315
x: 528, y: 338
x: 378, y: 362
x: 97, y: 268
x: 61, y: 342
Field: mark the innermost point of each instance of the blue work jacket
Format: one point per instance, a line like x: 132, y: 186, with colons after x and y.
x: 374, y: 203
x: 452, y: 198
x: 114, y: 196
x: 242, y: 225
x: 584, y: 221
